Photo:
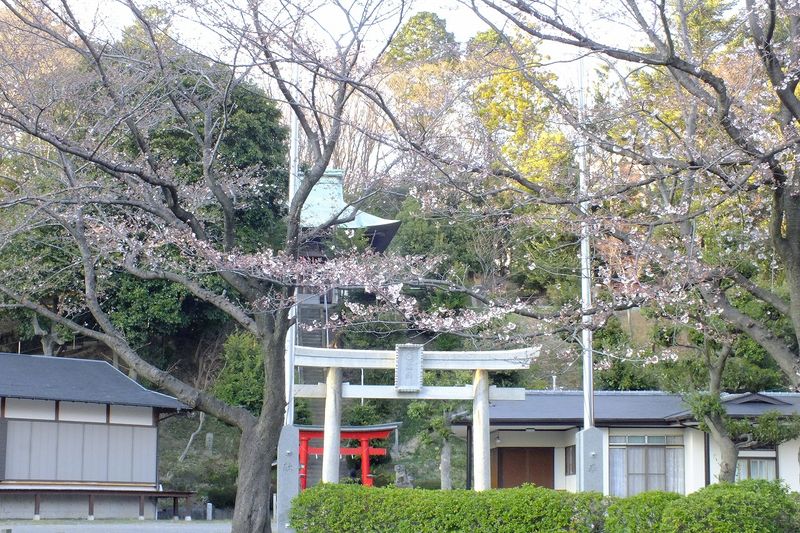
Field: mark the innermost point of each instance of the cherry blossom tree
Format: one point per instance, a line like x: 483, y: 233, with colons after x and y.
x: 82, y: 122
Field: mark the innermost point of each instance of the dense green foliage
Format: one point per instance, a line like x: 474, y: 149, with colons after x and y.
x: 752, y: 506
x: 241, y: 381
x: 352, y: 508
x: 424, y: 37
x: 642, y: 512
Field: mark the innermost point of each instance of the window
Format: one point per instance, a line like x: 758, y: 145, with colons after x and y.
x: 569, y: 460
x: 639, y: 463
x: 757, y: 464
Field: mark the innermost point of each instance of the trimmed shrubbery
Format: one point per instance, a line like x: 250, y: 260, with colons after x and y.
x: 749, y: 506
x: 642, y: 512
x: 752, y: 506
x: 352, y: 508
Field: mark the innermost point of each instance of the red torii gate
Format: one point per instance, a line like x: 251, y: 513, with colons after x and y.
x: 363, y: 434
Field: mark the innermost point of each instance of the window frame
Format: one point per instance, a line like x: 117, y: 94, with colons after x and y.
x: 645, y: 443
x: 570, y: 460
x: 758, y: 454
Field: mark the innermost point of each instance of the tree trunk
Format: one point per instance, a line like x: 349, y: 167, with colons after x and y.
x: 259, y: 443
x: 444, y: 464
x: 729, y: 454
x: 49, y: 337
x: 793, y: 279
x: 251, y: 512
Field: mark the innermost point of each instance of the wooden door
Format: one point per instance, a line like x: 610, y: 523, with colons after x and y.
x: 516, y: 466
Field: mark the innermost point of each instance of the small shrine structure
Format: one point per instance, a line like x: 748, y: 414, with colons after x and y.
x: 363, y: 434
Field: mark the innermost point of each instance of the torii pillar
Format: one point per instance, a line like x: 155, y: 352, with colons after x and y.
x: 481, y: 462
x: 331, y: 440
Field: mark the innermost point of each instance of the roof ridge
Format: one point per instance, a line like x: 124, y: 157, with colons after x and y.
x: 60, y: 358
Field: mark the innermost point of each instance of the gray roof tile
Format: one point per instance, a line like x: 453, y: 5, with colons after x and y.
x: 565, y: 407
x: 41, y: 377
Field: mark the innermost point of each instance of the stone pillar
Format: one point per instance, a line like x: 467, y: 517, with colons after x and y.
x: 288, y: 474
x: 480, y: 431
x: 589, y: 460
x: 331, y: 439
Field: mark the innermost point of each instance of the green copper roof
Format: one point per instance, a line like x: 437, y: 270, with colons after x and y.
x: 326, y: 201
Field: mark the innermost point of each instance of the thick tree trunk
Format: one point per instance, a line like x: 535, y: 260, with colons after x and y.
x: 444, y: 464
x: 259, y: 443
x: 728, y: 455
x: 251, y: 513
x: 728, y: 452
x: 793, y: 280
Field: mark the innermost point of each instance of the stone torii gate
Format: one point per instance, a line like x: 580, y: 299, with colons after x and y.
x: 408, y: 361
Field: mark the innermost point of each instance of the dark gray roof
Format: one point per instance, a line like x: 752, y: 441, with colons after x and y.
x: 753, y: 404
x: 40, y: 377
x: 563, y: 407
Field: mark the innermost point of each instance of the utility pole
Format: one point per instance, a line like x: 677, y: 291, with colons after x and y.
x: 294, y: 169
x: 589, y: 441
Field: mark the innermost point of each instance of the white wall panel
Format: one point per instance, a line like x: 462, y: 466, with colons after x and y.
x: 120, y: 453
x: 44, y: 442
x: 126, y: 414
x: 144, y: 454
x: 30, y: 409
x: 69, y: 458
x: 95, y: 452
x: 82, y: 412
x: 18, y: 450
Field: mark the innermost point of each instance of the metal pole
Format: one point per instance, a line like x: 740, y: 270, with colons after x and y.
x: 586, y: 267
x: 294, y: 166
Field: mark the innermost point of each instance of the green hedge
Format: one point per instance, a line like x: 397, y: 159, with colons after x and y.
x: 746, y: 507
x: 353, y: 508
x: 752, y: 506
x: 642, y: 512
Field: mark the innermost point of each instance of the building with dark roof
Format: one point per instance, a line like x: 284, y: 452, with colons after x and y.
x: 650, y: 441
x: 78, y: 439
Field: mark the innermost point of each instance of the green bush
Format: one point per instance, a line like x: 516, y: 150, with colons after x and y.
x: 352, y: 508
x: 642, y: 512
x: 752, y: 506
x: 747, y: 507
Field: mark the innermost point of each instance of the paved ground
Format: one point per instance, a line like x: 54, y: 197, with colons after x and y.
x: 116, y: 526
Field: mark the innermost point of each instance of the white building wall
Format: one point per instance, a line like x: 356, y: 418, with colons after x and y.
x: 694, y: 460
x: 82, y: 412
x: 126, y: 414
x: 30, y: 409
x: 789, y: 463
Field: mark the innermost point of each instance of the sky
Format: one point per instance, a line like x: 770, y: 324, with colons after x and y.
x: 111, y: 16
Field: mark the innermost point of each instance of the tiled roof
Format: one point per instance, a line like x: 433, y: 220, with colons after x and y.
x: 42, y: 377
x: 565, y: 407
